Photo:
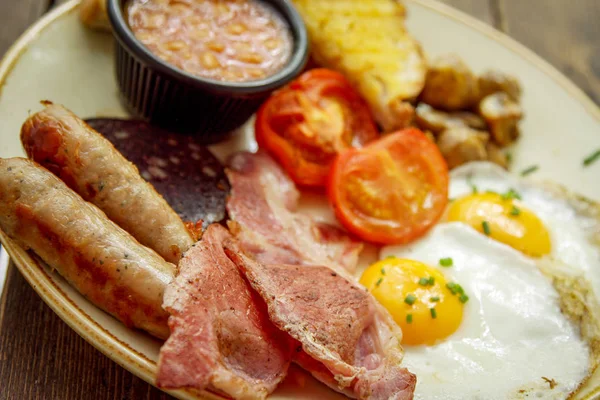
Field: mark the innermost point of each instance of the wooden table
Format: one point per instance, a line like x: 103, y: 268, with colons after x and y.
x: 42, y: 358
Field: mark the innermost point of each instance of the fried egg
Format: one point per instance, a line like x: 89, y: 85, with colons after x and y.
x: 539, y: 220
x: 507, y: 337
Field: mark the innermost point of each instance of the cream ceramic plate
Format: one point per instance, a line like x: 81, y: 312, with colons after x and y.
x: 59, y: 60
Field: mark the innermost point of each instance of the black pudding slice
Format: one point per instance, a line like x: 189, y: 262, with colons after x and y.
x: 184, y: 172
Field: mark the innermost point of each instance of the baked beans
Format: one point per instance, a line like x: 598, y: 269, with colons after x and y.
x: 224, y: 40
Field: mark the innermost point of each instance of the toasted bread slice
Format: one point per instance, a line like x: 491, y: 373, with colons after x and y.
x: 368, y: 42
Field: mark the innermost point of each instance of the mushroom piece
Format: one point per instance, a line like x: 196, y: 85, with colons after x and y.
x: 491, y: 82
x: 502, y: 115
x: 460, y: 145
x: 450, y: 84
x: 496, y: 155
x: 436, y: 121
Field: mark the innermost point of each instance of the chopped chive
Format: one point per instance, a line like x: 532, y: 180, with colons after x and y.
x: 463, y: 298
x: 486, y: 228
x: 433, y: 313
x: 474, y: 188
x: 378, y: 282
x: 446, y: 262
x: 509, y: 157
x: 409, y: 318
x: 455, y: 288
x: 452, y: 287
x: 491, y: 192
x: 529, y: 170
x: 589, y: 160
x: 515, y: 211
x: 434, y: 299
x: 391, y: 257
x: 382, y: 271
x: 410, y: 299
x: 511, y: 194
x: 427, y: 281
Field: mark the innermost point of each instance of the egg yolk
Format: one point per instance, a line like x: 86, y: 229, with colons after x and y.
x: 410, y: 290
x: 504, y: 219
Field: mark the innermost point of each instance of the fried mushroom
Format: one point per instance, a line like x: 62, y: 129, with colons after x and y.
x: 436, y: 121
x: 450, y: 84
x: 460, y: 145
x: 502, y: 115
x: 496, y: 155
x: 492, y: 81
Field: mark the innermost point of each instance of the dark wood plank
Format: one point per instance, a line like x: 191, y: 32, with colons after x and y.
x: 16, y: 16
x: 567, y: 35
x: 42, y: 358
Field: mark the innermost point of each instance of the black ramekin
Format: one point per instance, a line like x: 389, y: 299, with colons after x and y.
x: 176, y: 100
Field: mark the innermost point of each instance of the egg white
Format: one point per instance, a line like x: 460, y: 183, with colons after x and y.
x: 573, y: 224
x: 513, y: 339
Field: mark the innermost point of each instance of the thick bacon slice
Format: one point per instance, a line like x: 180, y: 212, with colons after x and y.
x: 346, y: 341
x: 221, y: 337
x: 263, y: 202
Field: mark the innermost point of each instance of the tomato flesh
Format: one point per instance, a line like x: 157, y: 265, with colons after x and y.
x: 305, y: 125
x: 391, y: 191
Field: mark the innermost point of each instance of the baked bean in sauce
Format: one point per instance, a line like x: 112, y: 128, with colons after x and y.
x: 224, y: 40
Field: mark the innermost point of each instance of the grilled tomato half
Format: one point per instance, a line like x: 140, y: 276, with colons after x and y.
x: 305, y: 125
x: 392, y: 190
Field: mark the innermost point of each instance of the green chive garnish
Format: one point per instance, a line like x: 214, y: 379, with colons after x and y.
x: 511, y: 194
x: 474, y: 188
x: 509, y: 157
x: 391, y: 257
x: 515, y: 211
x: 589, y: 160
x: 410, y: 299
x: 446, y: 262
x: 378, y: 282
x: 452, y: 287
x: 434, y: 299
x: 529, y: 170
x: 427, y: 281
x: 486, y: 228
x: 409, y: 318
x: 382, y: 271
x: 433, y: 313
x: 463, y: 298
x: 455, y: 288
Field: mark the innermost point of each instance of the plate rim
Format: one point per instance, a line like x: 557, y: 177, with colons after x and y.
x: 104, y: 341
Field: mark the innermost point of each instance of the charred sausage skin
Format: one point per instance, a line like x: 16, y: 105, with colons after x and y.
x: 91, y: 166
x: 98, y: 258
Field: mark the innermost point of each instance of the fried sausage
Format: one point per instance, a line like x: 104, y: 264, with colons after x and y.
x: 91, y: 166
x: 99, y: 259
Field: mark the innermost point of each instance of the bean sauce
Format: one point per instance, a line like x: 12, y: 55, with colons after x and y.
x: 224, y: 40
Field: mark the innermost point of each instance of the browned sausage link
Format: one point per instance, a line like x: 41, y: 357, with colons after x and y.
x: 90, y: 165
x: 101, y: 260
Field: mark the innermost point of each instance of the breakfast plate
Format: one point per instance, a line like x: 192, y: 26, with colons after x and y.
x: 59, y: 60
